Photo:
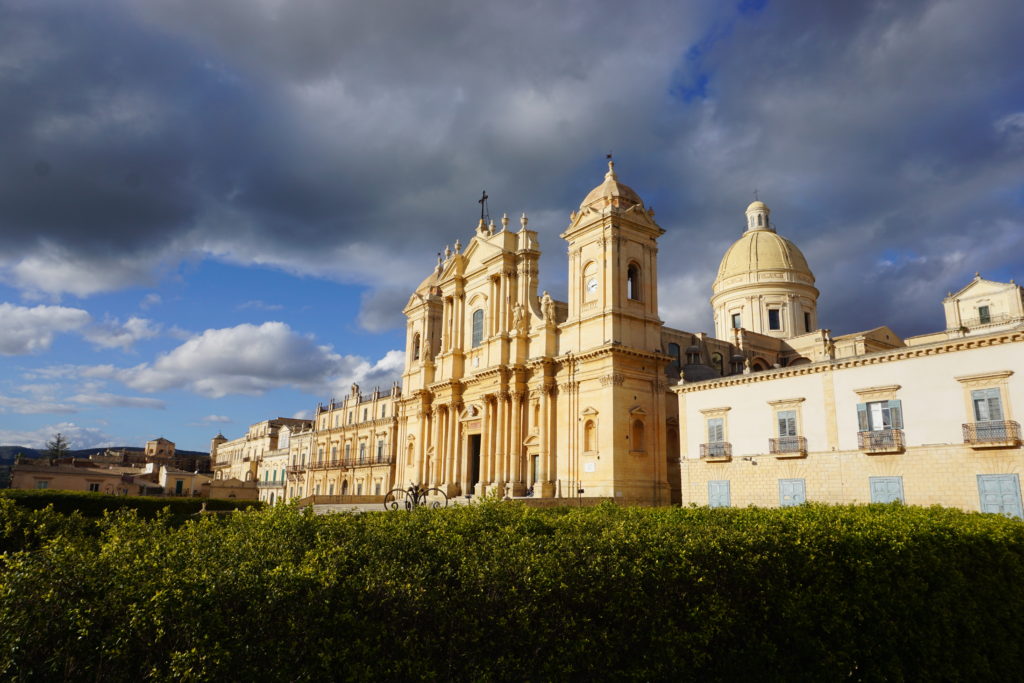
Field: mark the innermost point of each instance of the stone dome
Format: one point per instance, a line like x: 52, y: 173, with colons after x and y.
x: 611, y: 189
x: 759, y: 250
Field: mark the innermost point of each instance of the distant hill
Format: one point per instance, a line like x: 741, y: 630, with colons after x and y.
x: 7, y: 453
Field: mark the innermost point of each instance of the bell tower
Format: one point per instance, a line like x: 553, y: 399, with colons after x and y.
x: 613, y: 270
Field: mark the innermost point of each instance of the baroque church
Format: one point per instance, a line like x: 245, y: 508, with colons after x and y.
x: 507, y: 391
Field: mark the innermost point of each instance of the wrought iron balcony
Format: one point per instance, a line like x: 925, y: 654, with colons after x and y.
x: 717, y: 450
x: 881, y: 441
x: 263, y: 483
x: 788, y: 445
x: 296, y: 469
x: 992, y: 434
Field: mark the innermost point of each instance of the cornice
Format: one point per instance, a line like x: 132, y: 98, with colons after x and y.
x: 879, y: 357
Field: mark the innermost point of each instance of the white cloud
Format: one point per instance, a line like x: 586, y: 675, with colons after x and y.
x: 112, y: 334
x: 260, y: 305
x: 216, y: 419
x: 150, y: 300
x: 33, y: 406
x: 53, y: 270
x: 78, y: 437
x: 107, y: 400
x: 303, y: 415
x: 250, y: 359
x: 28, y: 330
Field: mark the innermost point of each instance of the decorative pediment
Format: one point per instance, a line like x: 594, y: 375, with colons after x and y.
x: 638, y: 411
x: 589, y: 411
x: 532, y: 440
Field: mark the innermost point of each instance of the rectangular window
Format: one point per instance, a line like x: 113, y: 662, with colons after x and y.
x: 376, y: 488
x: 330, y: 489
x: 1000, y: 493
x: 362, y: 452
x: 984, y: 317
x: 350, y: 417
x: 42, y: 484
x: 359, y: 489
x: 348, y: 451
x: 316, y: 491
x: 718, y: 494
x: 787, y: 423
x: 94, y: 488
x: 879, y: 415
x: 383, y: 411
x: 335, y: 420
x: 366, y: 414
x: 716, y: 430
x: 334, y: 453
x: 807, y: 321
x: 886, y: 489
x: 380, y: 450
x: 774, y: 319
x: 736, y: 321
x: 987, y: 405
x: 178, y: 486
x: 792, y: 492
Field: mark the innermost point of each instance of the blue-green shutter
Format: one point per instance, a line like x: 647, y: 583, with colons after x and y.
x: 895, y: 415
x: 863, y: 423
x: 886, y: 489
x: 792, y: 492
x: 718, y: 493
x: 987, y: 405
x: 716, y: 430
x: 787, y: 423
x: 1000, y: 493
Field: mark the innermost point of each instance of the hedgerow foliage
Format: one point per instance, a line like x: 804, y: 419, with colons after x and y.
x: 502, y: 592
x: 96, y: 504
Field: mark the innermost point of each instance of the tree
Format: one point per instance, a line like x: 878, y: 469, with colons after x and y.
x: 57, y: 448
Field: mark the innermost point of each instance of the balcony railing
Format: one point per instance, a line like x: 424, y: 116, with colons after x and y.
x: 296, y: 469
x: 263, y: 483
x: 990, y: 320
x: 881, y: 441
x: 992, y: 434
x: 788, y: 445
x: 717, y: 450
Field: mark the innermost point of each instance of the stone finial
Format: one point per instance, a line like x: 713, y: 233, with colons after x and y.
x: 504, y: 221
x: 523, y: 220
x: 458, y: 246
x: 492, y: 227
x: 447, y: 252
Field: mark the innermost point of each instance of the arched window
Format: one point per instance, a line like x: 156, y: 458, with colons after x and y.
x: 478, y: 327
x: 637, y: 436
x: 760, y: 220
x: 416, y: 346
x: 633, y: 282
x: 589, y: 436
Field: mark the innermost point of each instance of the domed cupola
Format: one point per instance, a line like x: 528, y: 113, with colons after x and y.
x: 611, y: 192
x: 764, y: 283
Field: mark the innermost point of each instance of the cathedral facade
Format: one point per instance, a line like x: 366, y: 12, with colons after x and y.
x: 509, y: 392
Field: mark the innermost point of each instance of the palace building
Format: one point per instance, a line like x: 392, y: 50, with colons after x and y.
x: 507, y: 391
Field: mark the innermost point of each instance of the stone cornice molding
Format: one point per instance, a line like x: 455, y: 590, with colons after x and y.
x: 880, y: 357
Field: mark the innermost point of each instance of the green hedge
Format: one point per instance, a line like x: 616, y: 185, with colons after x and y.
x: 502, y: 592
x: 95, y: 504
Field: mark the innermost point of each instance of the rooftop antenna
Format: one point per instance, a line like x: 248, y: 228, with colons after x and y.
x: 485, y: 214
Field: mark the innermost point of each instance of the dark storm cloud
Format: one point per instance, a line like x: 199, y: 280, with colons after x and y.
x: 349, y: 140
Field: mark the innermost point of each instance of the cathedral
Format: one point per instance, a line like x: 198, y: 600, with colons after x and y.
x: 508, y: 392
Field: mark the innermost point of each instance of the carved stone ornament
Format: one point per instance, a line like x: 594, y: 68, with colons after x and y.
x: 616, y: 378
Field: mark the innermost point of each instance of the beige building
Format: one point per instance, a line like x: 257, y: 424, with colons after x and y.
x: 866, y: 418
x: 509, y: 392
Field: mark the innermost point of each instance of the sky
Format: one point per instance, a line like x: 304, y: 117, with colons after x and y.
x: 212, y: 213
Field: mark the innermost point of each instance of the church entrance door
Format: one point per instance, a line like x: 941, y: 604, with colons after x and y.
x: 474, y: 461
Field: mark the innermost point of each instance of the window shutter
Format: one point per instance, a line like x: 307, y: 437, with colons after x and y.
x: 863, y: 423
x: 787, y: 423
x: 716, y: 430
x: 987, y: 405
x: 895, y: 415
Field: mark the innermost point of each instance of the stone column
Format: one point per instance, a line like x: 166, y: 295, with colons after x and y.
x: 516, y: 451
x: 485, y: 443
